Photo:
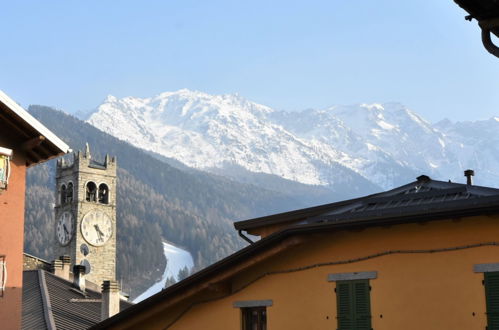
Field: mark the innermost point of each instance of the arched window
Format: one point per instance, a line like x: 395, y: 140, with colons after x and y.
x: 63, y: 194
x: 69, y: 193
x: 91, y: 192
x: 103, y: 193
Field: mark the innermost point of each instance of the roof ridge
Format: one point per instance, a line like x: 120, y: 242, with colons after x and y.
x: 47, y: 306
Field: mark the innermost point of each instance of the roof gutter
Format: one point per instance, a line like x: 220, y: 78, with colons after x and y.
x: 244, y: 237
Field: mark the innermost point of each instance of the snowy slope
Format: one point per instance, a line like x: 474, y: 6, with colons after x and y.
x: 205, y: 131
x: 385, y: 144
x: 177, y: 259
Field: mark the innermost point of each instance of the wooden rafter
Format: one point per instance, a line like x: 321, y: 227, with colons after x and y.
x: 33, y: 143
x: 13, y: 125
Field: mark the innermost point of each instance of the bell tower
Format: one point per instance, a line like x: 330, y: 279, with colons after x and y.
x: 85, y: 214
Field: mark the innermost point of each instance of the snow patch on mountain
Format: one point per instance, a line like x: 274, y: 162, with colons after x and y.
x: 386, y: 144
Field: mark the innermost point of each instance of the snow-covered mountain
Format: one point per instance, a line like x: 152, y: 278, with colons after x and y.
x: 385, y: 144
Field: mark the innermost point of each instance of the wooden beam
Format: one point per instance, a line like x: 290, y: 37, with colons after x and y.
x: 30, y: 158
x: 32, y: 143
x: 13, y: 125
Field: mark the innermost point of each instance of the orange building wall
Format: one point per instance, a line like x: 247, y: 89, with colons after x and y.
x: 413, y: 291
x: 11, y: 242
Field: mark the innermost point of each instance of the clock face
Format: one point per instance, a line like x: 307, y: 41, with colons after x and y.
x: 65, y: 228
x: 96, y: 227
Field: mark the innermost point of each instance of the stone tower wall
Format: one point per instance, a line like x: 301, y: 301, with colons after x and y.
x: 83, y: 169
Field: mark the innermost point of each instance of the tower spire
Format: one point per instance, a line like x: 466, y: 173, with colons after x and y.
x: 87, y: 151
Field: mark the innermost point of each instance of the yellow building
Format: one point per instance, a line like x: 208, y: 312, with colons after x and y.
x: 421, y: 256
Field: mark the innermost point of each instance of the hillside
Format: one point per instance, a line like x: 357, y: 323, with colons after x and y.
x: 156, y: 201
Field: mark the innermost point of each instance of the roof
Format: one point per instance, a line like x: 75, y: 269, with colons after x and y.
x: 39, y: 143
x: 422, y: 200
x: 481, y: 10
x: 51, y: 302
x: 421, y: 196
x: 486, y: 12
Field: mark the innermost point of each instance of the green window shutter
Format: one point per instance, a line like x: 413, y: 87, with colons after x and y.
x: 344, y: 302
x: 362, y: 305
x: 353, y: 305
x: 492, y: 299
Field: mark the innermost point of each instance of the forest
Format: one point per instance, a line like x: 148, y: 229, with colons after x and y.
x: 155, y: 202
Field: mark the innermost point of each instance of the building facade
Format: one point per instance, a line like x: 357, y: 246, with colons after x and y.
x: 24, y: 142
x: 421, y: 256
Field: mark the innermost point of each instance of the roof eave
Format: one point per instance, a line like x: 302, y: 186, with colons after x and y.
x: 60, y: 146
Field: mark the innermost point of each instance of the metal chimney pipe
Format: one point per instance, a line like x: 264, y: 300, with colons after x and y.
x: 469, y: 176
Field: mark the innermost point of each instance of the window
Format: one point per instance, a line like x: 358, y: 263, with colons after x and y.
x: 91, y: 192
x: 353, y: 305
x: 63, y: 194
x: 3, y: 274
x: 5, y: 157
x: 69, y: 193
x: 254, y: 318
x: 491, y: 283
x: 103, y: 193
x: 253, y: 313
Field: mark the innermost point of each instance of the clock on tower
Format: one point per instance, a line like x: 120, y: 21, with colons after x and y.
x: 85, y: 214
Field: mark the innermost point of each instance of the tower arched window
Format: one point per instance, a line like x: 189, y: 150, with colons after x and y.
x: 63, y: 194
x: 91, y: 192
x: 103, y: 194
x: 69, y: 193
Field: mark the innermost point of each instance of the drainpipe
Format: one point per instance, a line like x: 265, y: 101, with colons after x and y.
x: 244, y: 237
x: 486, y: 26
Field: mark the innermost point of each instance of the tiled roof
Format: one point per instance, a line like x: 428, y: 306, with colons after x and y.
x: 51, y: 302
x: 33, y: 315
x: 422, y: 196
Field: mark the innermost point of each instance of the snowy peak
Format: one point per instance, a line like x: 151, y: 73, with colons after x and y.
x: 386, y: 144
x: 205, y: 131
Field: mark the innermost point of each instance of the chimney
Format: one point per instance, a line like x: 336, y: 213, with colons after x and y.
x: 110, y: 299
x: 56, y: 268
x: 66, y: 266
x: 469, y: 176
x: 79, y: 277
x: 423, y: 178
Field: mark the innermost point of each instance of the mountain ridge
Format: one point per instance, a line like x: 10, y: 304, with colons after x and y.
x: 382, y: 145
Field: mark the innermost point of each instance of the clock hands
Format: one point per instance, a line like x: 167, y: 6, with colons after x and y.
x: 66, y: 232
x: 99, y: 232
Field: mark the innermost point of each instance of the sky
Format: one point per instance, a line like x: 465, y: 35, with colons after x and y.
x: 289, y: 55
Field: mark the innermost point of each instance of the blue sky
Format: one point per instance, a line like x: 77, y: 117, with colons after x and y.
x: 289, y: 55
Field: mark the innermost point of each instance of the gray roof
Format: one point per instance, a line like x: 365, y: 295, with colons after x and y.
x: 420, y: 197
x: 51, y: 302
